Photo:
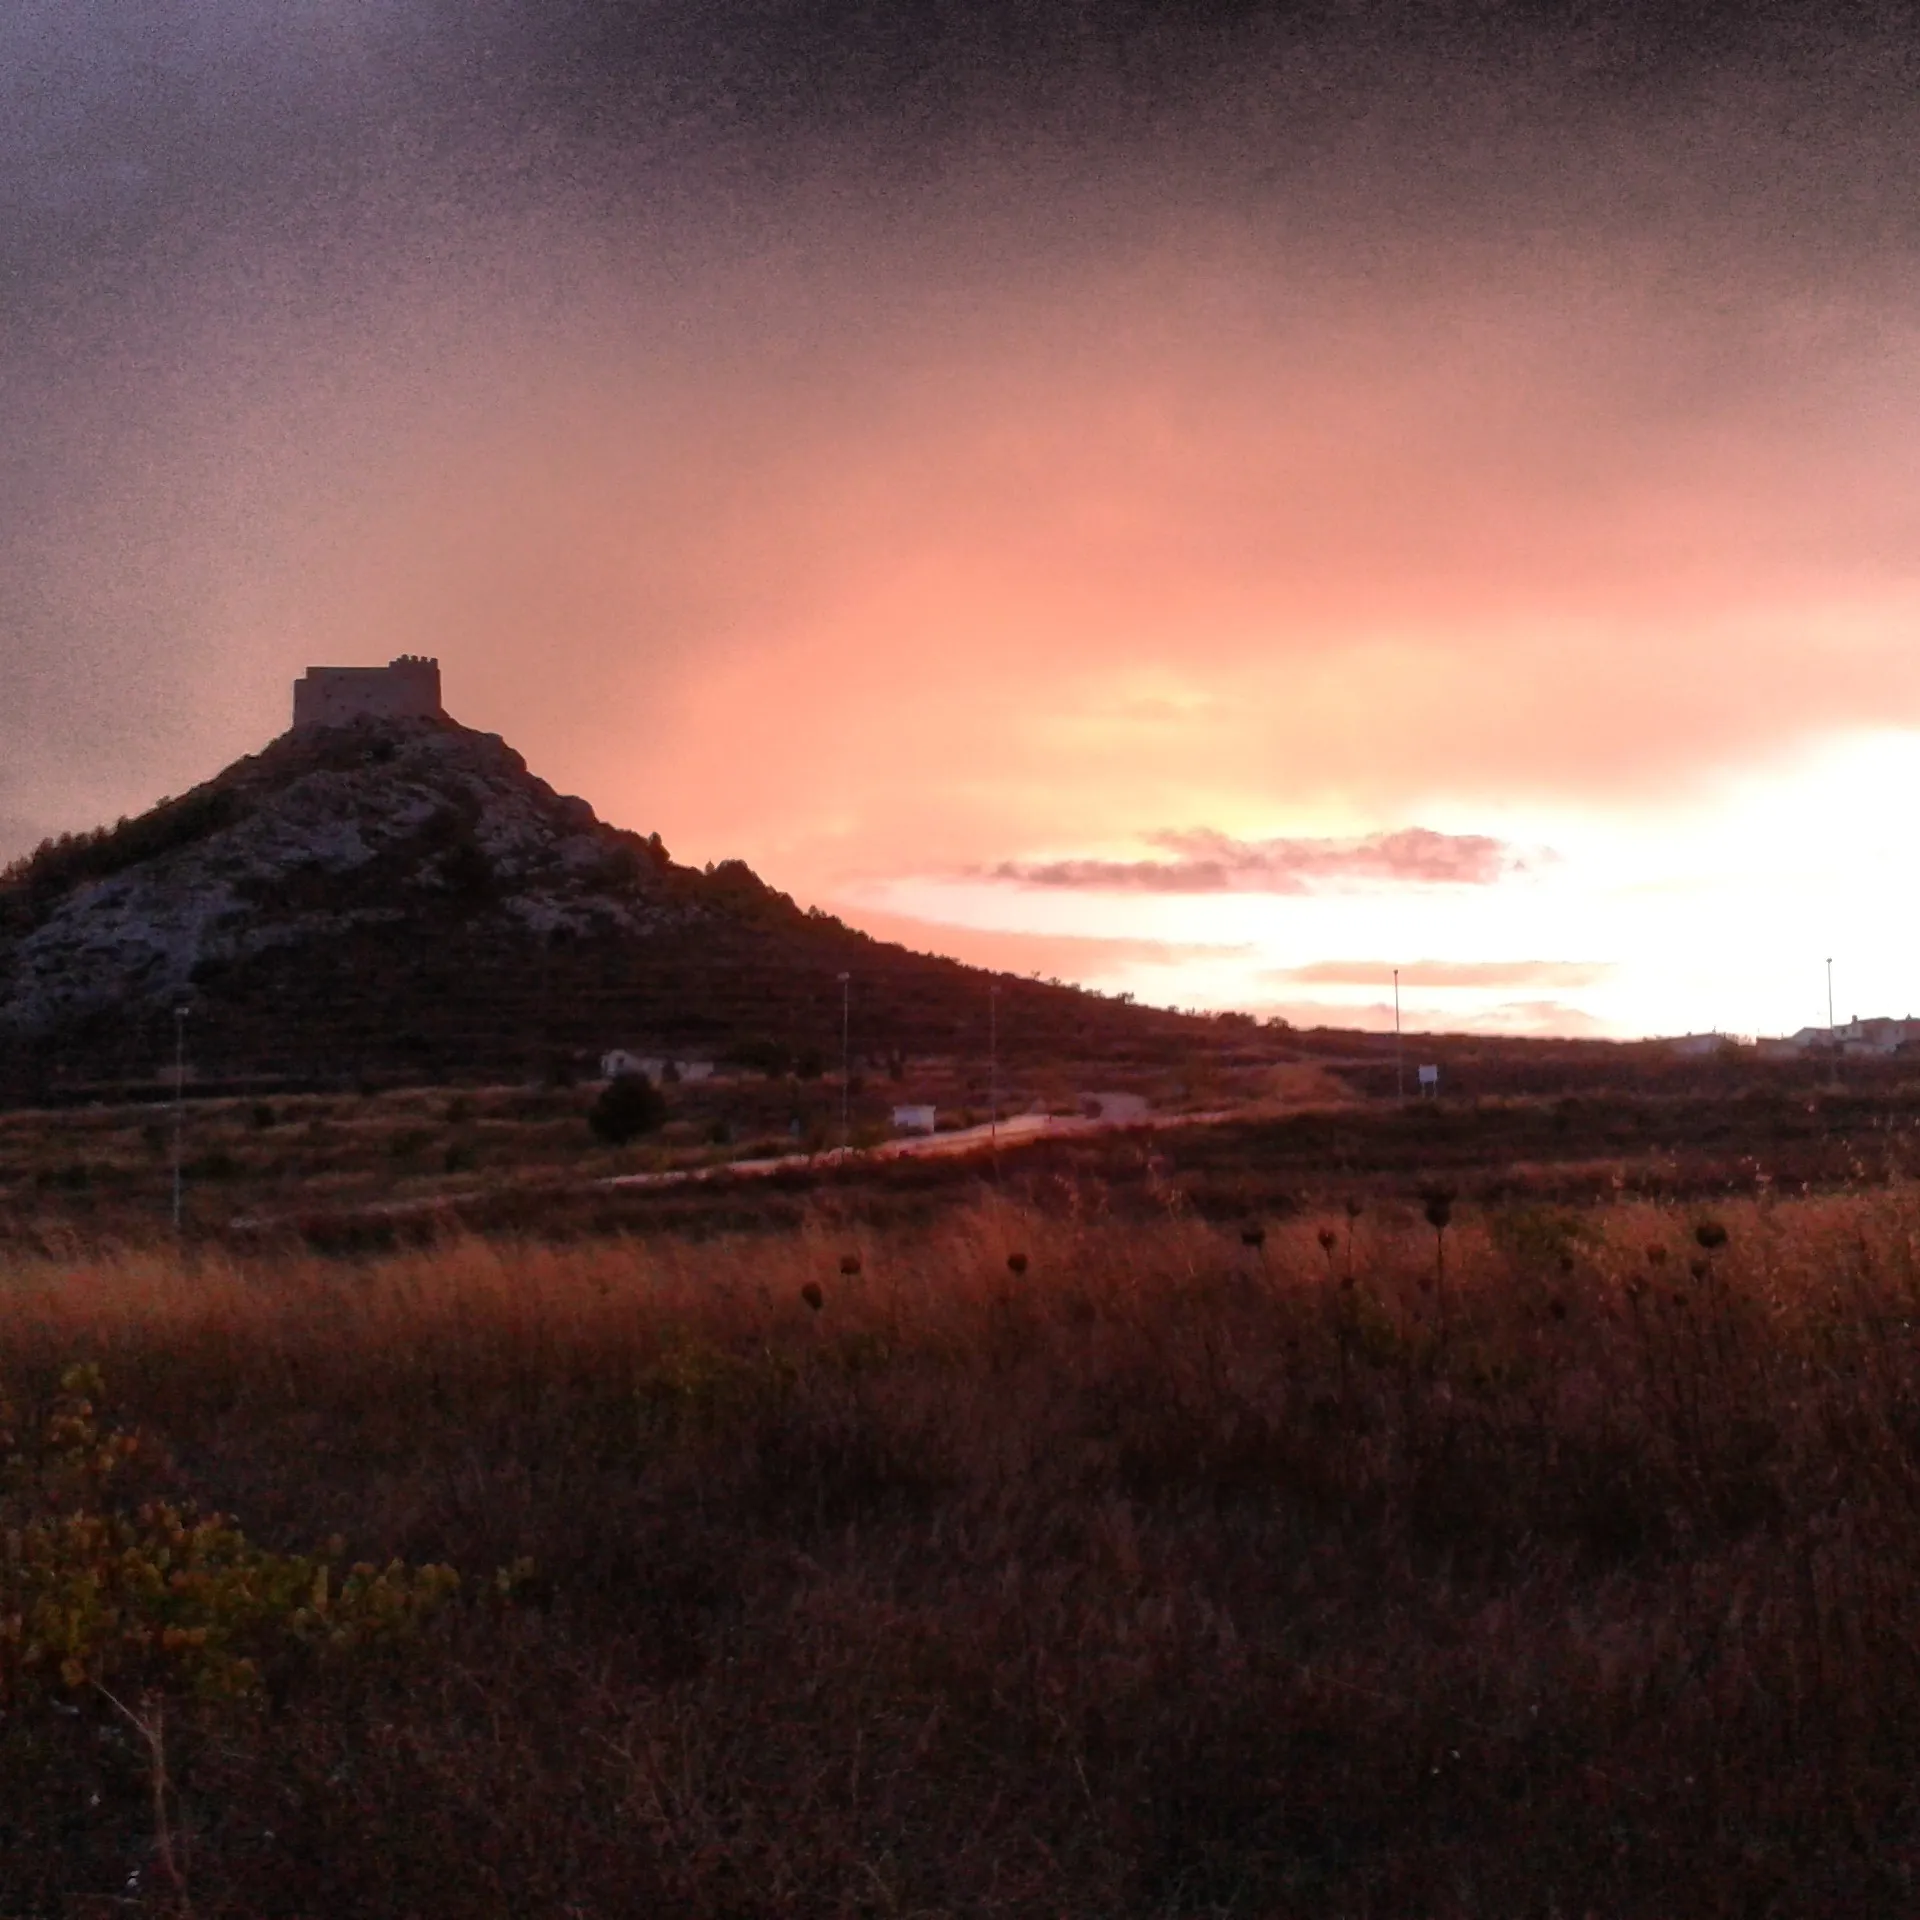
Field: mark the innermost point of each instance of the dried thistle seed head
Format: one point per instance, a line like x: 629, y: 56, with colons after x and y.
x: 1016, y: 1263
x: 1699, y: 1268
x: 1353, y: 1208
x: 1710, y: 1234
x: 1253, y: 1234
x: 1439, y: 1208
x: 1328, y: 1239
x: 812, y: 1295
x: 849, y: 1264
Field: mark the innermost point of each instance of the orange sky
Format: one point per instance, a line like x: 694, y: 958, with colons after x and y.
x: 913, y: 537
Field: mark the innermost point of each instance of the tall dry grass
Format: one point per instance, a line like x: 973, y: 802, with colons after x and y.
x: 1181, y: 1572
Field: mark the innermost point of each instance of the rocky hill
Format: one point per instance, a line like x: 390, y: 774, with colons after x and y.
x: 402, y: 899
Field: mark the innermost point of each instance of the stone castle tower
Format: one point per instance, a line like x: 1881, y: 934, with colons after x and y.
x: 407, y: 688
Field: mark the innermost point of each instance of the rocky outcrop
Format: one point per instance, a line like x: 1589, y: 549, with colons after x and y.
x: 382, y: 822
x: 400, y: 899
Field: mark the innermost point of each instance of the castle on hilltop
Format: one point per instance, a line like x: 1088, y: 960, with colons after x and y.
x: 404, y: 689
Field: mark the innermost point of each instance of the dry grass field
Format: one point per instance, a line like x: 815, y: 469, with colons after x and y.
x: 106, y: 1169
x: 524, y: 1159
x: 1029, y: 1563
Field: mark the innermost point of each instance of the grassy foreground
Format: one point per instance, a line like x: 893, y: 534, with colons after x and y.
x: 1537, y: 1564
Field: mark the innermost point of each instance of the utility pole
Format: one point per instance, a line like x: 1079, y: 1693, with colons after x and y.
x: 1833, y: 1039
x: 846, y: 1062
x: 993, y: 1069
x: 1399, y: 1059
x: 179, y: 1103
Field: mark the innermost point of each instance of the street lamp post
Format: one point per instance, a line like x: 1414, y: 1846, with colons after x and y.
x: 1833, y: 1039
x: 846, y: 1062
x: 1399, y: 1059
x: 993, y: 1067
x: 179, y: 1104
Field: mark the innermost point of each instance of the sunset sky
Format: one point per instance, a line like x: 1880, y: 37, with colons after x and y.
x: 1211, y: 502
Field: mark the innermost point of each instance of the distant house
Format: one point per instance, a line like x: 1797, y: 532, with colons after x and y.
x: 652, y: 1066
x: 1877, y: 1038
x: 1121, y: 1109
x: 1880, y: 1037
x: 914, y: 1120
x: 1699, y: 1046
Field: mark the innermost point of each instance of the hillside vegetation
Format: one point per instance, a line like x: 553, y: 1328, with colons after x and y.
x: 404, y: 902
x: 1422, y: 1559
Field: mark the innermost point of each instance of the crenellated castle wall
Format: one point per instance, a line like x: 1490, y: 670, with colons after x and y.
x: 406, y: 688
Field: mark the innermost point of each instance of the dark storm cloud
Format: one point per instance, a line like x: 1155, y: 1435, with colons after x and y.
x: 364, y: 323
x: 1204, y: 861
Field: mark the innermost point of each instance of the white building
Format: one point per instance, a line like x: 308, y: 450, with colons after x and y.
x: 1879, y: 1037
x: 653, y: 1066
x: 915, y: 1120
x: 1117, y: 1109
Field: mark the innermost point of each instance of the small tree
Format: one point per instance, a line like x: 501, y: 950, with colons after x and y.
x: 763, y: 1056
x: 629, y: 1105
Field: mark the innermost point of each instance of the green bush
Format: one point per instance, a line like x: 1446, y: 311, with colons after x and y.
x: 158, y: 1599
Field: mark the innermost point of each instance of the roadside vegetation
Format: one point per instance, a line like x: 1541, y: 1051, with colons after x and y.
x: 1417, y: 1556
x: 528, y: 1159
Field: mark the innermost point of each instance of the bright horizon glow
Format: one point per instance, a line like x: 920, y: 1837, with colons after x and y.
x: 1719, y: 919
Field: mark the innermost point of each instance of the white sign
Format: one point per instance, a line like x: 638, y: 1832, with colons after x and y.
x: 1429, y: 1078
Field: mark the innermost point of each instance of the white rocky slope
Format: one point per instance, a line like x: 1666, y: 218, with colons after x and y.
x: 379, y: 822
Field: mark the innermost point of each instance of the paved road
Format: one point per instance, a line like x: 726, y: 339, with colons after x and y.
x: 1018, y: 1130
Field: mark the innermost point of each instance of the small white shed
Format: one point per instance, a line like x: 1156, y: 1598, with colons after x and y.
x: 915, y: 1120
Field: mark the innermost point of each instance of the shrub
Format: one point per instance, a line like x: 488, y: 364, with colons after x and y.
x: 763, y: 1056
x: 111, y: 1608
x: 217, y: 1163
x: 627, y: 1107
x: 159, y: 1598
